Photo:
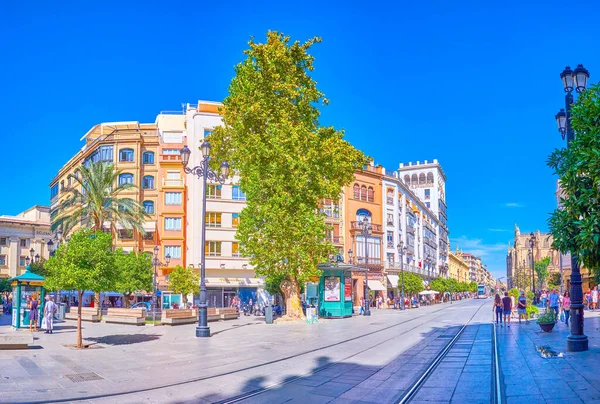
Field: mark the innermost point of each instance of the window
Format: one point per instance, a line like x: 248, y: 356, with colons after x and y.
x: 356, y: 191
x: 172, y: 198
x: 235, y: 219
x: 126, y: 155
x: 105, y: 153
x: 171, y: 151
x: 212, y: 248
x: 363, y: 193
x: 370, y: 194
x: 430, y: 178
x: 149, y: 235
x: 172, y: 137
x: 69, y: 181
x: 235, y: 249
x: 174, y: 251
x: 213, y: 191
x: 407, y: 179
x: 23, y: 242
x: 125, y: 234
x: 207, y: 132
x: 148, y: 182
x: 390, y: 239
x: 22, y: 261
x: 428, y: 204
x: 238, y: 194
x: 390, y: 196
x: 148, y: 158
x: 3, y: 241
x: 390, y: 219
x: 361, y: 214
x: 427, y: 193
x: 62, y: 186
x: 213, y: 219
x: 54, y: 191
x: 2, y: 260
x: 390, y: 258
x: 421, y: 178
x: 414, y: 179
x: 172, y: 223
x: 125, y: 179
x: 149, y: 207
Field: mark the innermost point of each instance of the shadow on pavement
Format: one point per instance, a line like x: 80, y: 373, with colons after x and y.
x: 124, y: 339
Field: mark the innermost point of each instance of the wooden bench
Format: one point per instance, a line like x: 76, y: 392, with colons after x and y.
x: 16, y: 340
x: 175, y: 317
x: 213, y: 315
x: 228, y: 313
x: 87, y: 314
x: 125, y: 316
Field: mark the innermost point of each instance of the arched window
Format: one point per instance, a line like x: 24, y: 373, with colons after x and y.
x: 148, y: 157
x: 370, y: 194
x: 149, y: 207
x: 363, y: 193
x: 361, y: 214
x: 421, y: 178
x: 407, y: 179
x: 356, y: 191
x: 414, y: 179
x: 429, y: 177
x: 148, y: 182
x: 126, y: 155
x: 125, y: 178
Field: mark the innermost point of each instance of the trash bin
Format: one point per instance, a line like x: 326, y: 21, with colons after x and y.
x: 62, y: 308
x: 269, y: 314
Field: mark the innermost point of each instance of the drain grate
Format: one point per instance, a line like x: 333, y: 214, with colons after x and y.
x: 84, y: 377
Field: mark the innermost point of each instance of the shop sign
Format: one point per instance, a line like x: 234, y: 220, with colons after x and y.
x: 332, y: 289
x: 43, y: 233
x: 348, y: 289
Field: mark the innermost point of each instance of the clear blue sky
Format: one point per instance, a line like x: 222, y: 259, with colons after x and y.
x: 475, y: 86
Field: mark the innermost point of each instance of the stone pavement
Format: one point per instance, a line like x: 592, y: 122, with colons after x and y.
x: 319, y: 362
x: 529, y: 377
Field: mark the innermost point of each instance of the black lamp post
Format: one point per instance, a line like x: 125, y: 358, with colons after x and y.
x: 350, y: 256
x: 532, y: 245
x: 577, y: 341
x: 156, y: 262
x: 204, y: 172
x: 366, y: 230
x: 402, y: 249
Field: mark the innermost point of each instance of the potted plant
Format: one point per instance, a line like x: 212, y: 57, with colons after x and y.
x: 547, y: 321
x: 532, y: 311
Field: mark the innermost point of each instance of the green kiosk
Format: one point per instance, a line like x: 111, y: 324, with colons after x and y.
x: 335, y: 291
x: 25, y: 288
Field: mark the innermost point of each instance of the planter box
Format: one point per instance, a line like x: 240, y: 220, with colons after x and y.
x: 547, y: 327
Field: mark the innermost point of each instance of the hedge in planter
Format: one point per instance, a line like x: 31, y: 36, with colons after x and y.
x: 547, y: 321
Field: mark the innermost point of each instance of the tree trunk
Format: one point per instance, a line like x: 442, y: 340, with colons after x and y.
x: 97, y: 302
x: 79, y: 338
x: 126, y: 301
x: 291, y: 293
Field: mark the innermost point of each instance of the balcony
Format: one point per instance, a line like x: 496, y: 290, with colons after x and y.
x: 172, y: 182
x: 357, y: 225
x: 165, y: 158
x: 336, y: 239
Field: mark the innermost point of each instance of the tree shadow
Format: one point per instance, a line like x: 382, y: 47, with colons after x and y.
x: 124, y: 339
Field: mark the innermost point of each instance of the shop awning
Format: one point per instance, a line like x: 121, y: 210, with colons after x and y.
x: 376, y: 285
x: 235, y: 282
x: 393, y: 280
x: 149, y: 227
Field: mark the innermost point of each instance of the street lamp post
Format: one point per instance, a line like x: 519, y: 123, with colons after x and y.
x: 577, y: 341
x: 532, y: 245
x: 366, y: 230
x: 204, y: 172
x: 156, y: 262
x: 402, y: 249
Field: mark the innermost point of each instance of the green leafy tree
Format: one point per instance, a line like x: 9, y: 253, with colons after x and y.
x: 541, y: 271
x: 522, y: 278
x: 86, y: 262
x: 440, y: 285
x: 287, y: 161
x: 413, y: 283
x: 5, y: 287
x: 184, y: 280
x: 38, y: 268
x: 575, y: 225
x: 554, y: 280
x: 135, y: 273
x: 95, y: 198
x: 472, y: 287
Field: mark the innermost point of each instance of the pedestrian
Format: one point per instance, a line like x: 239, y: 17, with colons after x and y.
x: 498, y: 309
x: 506, y: 308
x: 49, y: 310
x: 566, y: 307
x: 522, y: 308
x: 544, y: 297
x: 118, y: 302
x: 362, y: 306
x: 588, y: 299
x: 512, y: 304
x: 553, y: 301
x: 595, y: 298
x: 33, y: 314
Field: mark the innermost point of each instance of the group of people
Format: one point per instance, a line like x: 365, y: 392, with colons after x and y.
x: 553, y: 301
x: 50, y: 308
x: 591, y: 299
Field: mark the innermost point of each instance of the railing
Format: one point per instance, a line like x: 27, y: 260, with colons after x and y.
x: 336, y: 239
x: 357, y: 225
x: 172, y: 183
x: 170, y: 157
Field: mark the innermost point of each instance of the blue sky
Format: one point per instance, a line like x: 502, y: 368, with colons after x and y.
x: 475, y: 86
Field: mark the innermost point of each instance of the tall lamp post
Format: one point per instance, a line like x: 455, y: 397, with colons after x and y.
x: 156, y: 262
x: 203, y: 172
x: 532, y: 245
x: 576, y: 79
x: 366, y: 230
x: 402, y: 249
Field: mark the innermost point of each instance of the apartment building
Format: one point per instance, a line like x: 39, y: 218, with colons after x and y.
x: 22, y: 236
x: 458, y: 267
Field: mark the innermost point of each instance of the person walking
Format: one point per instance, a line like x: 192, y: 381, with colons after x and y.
x: 544, y: 297
x: 506, y: 308
x: 49, y: 310
x: 34, y: 314
x: 553, y: 301
x: 498, y: 309
x: 595, y: 298
x: 566, y: 307
x: 362, y: 306
x: 588, y: 299
x: 522, y: 308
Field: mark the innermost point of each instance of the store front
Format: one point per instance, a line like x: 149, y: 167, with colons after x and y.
x: 222, y: 291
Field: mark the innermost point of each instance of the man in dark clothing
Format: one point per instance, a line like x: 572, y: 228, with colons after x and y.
x: 506, y: 308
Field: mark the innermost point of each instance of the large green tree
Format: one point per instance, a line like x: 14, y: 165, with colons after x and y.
x: 575, y: 225
x: 96, y: 198
x: 86, y: 262
x: 541, y: 271
x: 185, y: 281
x: 135, y: 273
x: 413, y: 283
x: 287, y: 161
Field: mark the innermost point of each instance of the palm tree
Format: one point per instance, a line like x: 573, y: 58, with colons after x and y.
x: 96, y: 199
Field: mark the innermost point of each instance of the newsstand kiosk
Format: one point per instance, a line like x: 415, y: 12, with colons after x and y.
x: 335, y: 291
x: 26, y: 287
